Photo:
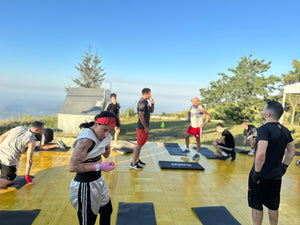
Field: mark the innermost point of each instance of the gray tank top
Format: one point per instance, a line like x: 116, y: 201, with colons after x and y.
x: 13, y: 146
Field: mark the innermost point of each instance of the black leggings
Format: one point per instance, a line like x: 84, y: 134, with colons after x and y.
x: 105, y: 215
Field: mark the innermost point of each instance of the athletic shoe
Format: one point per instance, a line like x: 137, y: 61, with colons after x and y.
x: 61, y: 145
x: 60, y: 141
x: 116, y: 146
x: 141, y: 163
x: 186, y: 151
x: 196, y: 156
x: 135, y: 166
x: 251, y: 152
x: 233, y: 155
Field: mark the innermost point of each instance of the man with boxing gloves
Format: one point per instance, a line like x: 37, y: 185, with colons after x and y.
x: 269, y: 167
x: 88, y: 190
x: 12, y: 144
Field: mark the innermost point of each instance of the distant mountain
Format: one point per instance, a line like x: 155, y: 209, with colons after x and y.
x: 17, y: 108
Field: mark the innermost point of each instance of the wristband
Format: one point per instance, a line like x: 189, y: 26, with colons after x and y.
x: 97, y: 166
x: 28, y: 178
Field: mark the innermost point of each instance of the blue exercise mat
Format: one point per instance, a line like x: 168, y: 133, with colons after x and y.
x: 215, y: 215
x: 174, y: 149
x: 297, y: 153
x: 37, y: 149
x: 162, y: 135
x: 180, y: 165
x: 18, y: 183
x: 21, y: 217
x: 209, y: 154
x: 136, y: 214
x: 242, y: 151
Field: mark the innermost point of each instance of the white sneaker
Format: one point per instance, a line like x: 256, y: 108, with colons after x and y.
x: 116, y: 146
x: 251, y: 152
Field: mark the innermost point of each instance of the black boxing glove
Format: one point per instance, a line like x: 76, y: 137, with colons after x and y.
x: 255, y: 177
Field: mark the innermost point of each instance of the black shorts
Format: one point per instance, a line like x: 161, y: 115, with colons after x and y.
x: 8, y: 172
x: 225, y: 148
x: 267, y: 193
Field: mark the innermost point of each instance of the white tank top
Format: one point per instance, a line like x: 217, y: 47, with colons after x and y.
x: 14, y: 144
x: 196, y: 116
x: 99, y: 147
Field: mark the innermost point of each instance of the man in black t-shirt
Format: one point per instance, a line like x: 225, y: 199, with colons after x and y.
x: 144, y: 108
x: 264, y: 183
x: 114, y: 107
x: 225, y: 144
x: 250, y: 133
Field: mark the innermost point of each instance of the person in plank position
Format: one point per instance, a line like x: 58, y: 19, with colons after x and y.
x: 12, y: 144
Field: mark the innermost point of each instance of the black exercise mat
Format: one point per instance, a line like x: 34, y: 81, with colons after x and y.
x: 180, y: 165
x: 242, y: 151
x: 297, y: 153
x: 215, y: 215
x: 174, y: 149
x: 123, y: 151
x: 136, y: 214
x: 18, y: 183
x: 163, y: 135
x: 37, y: 149
x: 209, y: 154
x: 22, y: 217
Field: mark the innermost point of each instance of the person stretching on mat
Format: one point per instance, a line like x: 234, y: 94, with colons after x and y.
x: 114, y: 107
x: 264, y: 181
x: 45, y: 141
x: 142, y: 128
x: 249, y: 134
x: 12, y: 144
x: 225, y: 144
x: 88, y: 190
x: 196, y: 124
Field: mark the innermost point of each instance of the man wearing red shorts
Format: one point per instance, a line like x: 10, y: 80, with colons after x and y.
x: 142, y: 127
x: 195, y: 125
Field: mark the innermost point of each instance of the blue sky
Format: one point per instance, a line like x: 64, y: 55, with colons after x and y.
x: 174, y: 47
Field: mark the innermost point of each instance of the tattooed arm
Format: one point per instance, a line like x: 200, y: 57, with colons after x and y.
x: 79, y: 156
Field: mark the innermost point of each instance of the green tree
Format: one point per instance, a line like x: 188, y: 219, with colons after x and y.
x: 241, y: 96
x: 292, y: 77
x: 91, y: 72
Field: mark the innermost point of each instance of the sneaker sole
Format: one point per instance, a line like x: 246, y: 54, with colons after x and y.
x: 133, y: 167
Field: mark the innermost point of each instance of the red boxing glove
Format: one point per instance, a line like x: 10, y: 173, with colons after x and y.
x: 107, y: 166
x: 28, y: 178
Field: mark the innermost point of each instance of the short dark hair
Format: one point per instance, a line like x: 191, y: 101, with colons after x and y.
x: 102, y: 114
x: 113, y: 95
x: 219, y: 125
x: 37, y: 124
x: 275, y: 109
x: 146, y: 90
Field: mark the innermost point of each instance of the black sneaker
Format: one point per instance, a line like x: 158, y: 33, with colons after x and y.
x: 141, y: 163
x: 135, y: 166
x: 233, y: 155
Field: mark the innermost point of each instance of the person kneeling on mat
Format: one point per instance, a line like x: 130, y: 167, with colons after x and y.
x: 88, y: 190
x: 225, y: 144
x: 12, y: 144
x: 46, y: 138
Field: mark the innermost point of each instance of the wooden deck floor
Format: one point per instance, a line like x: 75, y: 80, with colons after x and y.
x: 173, y: 192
